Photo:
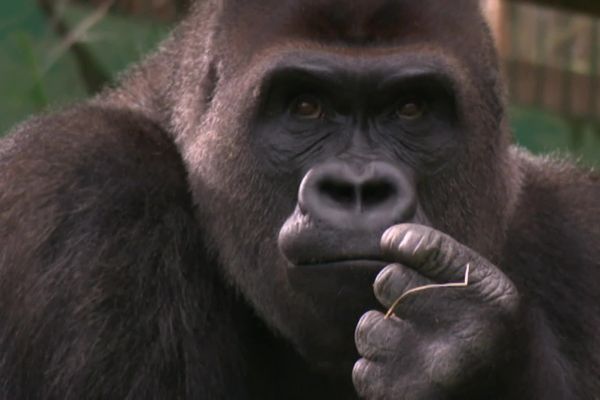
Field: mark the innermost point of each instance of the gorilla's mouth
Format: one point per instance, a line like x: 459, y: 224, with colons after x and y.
x: 345, y: 262
x: 308, y: 244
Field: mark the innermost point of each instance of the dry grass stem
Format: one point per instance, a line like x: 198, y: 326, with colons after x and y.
x: 404, y: 295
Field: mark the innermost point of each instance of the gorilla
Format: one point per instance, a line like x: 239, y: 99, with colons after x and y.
x: 235, y: 219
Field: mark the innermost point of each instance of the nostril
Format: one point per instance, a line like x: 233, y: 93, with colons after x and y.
x: 341, y: 193
x: 336, y: 194
x: 376, y: 193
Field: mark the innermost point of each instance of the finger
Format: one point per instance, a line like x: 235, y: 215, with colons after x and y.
x: 434, y: 254
x: 378, y: 338
x: 367, y: 377
x: 442, y: 259
x: 395, y: 280
x: 374, y: 380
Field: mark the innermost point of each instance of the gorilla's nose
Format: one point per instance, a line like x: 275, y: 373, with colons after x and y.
x: 368, y: 196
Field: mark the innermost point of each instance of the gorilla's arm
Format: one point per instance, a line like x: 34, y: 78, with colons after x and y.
x: 105, y: 288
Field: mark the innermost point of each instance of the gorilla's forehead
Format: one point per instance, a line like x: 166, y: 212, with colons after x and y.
x: 353, y: 22
x: 457, y: 27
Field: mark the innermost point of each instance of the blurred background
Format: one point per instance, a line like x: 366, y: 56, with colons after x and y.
x: 54, y: 52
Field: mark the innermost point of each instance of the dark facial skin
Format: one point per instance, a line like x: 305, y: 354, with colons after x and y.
x: 362, y: 135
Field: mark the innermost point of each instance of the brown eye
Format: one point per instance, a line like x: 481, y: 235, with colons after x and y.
x: 307, y: 107
x: 411, y: 110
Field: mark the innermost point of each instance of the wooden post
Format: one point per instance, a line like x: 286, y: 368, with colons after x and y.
x: 495, y: 11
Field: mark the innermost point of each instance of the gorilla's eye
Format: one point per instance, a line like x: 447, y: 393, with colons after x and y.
x: 411, y: 110
x: 307, y: 107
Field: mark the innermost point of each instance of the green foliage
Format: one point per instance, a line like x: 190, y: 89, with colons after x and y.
x: 543, y: 132
x: 35, y: 74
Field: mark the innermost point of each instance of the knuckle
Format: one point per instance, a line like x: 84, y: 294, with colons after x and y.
x: 500, y: 291
x: 392, y: 237
x: 395, y: 280
x: 366, y: 323
x: 390, y: 283
x: 368, y: 380
x: 360, y: 376
x: 421, y: 244
x: 382, y: 281
x: 399, y: 236
x: 510, y: 300
x: 378, y: 338
x: 434, y: 253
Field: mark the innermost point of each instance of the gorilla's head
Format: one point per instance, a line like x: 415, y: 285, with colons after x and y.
x: 313, y: 126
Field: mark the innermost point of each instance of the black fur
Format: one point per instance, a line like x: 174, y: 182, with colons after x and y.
x: 138, y: 232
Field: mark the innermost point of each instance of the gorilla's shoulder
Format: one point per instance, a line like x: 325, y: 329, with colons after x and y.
x: 98, y: 152
x: 559, y: 206
x: 572, y: 186
x: 89, y: 169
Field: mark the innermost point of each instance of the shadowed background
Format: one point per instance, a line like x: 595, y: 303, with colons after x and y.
x: 54, y: 52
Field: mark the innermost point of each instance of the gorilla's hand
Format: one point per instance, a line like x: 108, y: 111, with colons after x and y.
x: 437, y: 341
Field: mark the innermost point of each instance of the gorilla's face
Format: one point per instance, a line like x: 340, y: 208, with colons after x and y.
x: 308, y: 154
x: 334, y: 155
x: 362, y: 135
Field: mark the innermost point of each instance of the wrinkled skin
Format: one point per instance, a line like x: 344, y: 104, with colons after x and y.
x: 436, y: 341
x: 233, y: 220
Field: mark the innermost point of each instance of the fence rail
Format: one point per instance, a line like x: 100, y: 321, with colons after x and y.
x: 551, y: 58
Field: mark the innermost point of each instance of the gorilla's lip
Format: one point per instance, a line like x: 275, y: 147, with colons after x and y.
x: 350, y: 263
